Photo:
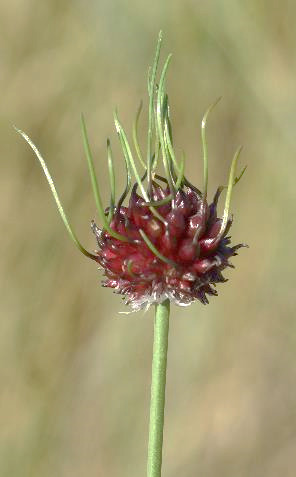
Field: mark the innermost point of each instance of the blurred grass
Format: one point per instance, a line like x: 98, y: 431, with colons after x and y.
x: 75, y: 375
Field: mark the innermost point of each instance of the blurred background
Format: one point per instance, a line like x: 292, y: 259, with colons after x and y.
x: 75, y: 374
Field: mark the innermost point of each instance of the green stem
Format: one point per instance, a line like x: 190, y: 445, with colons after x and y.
x: 158, y: 382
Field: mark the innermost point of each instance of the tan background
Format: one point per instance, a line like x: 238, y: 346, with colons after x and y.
x: 75, y: 374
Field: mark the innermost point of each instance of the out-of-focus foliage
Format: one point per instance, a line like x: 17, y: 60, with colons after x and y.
x: 75, y: 374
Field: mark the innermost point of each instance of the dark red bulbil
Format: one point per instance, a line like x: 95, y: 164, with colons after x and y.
x: 192, y: 252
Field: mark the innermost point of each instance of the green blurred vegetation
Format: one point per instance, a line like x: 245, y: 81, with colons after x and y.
x: 75, y: 374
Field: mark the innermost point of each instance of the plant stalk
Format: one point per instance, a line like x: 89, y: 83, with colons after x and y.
x: 158, y: 382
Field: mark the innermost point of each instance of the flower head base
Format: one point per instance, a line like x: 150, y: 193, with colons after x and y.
x: 167, y: 241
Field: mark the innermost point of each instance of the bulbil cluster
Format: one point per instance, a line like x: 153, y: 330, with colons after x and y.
x: 161, y: 239
x: 190, y: 250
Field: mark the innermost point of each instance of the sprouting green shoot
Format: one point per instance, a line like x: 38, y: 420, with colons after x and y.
x: 161, y: 113
x: 168, y: 140
x: 55, y: 195
x: 178, y: 167
x: 157, y: 203
x: 95, y: 187
x: 129, y: 157
x: 181, y: 172
x: 235, y: 181
x: 157, y: 146
x: 238, y: 178
x: 127, y: 152
x: 156, y: 154
x: 135, y: 136
x: 128, y: 178
x: 154, y: 250
x: 93, y: 177
x: 205, y: 147
x: 168, y: 199
x: 151, y: 90
x: 231, y: 182
x: 112, y: 180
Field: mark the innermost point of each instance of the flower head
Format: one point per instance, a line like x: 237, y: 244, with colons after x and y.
x: 180, y: 258
x: 167, y: 241
x: 162, y: 239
